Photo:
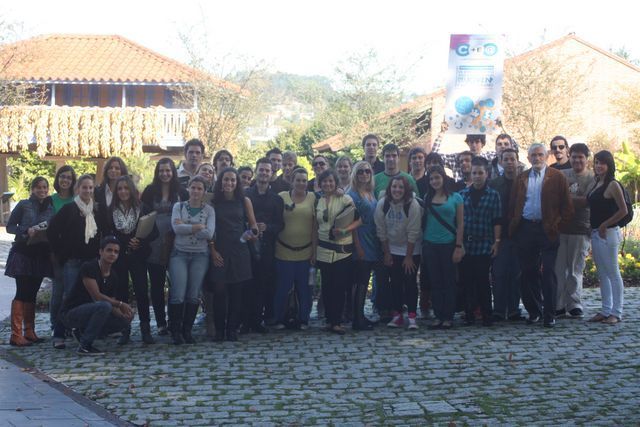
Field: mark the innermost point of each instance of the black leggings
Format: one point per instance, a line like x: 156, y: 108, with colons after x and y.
x: 335, y: 278
x: 27, y: 288
x: 157, y: 280
x: 227, y: 305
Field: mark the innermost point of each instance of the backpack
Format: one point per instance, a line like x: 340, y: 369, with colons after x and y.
x: 627, y: 201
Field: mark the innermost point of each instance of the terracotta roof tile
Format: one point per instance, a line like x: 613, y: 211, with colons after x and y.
x: 92, y: 58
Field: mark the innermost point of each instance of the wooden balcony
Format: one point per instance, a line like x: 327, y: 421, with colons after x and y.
x: 94, y: 131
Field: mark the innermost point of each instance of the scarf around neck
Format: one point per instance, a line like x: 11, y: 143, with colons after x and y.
x: 86, y: 210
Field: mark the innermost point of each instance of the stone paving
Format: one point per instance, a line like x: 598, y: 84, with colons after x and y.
x: 509, y: 374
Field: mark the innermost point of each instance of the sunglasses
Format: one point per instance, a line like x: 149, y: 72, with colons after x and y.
x: 325, y: 215
x: 314, y: 164
x: 363, y: 171
x: 557, y: 147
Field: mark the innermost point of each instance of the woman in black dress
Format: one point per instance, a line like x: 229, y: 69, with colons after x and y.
x: 230, y: 252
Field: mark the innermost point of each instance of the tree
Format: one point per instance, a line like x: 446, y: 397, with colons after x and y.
x: 539, y: 95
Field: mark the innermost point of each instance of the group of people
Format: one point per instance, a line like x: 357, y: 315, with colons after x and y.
x: 244, y: 243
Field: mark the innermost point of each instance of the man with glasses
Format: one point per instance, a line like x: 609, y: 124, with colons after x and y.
x: 560, y: 150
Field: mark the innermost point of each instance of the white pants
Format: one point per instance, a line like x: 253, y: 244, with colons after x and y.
x: 569, y: 268
x: 605, y: 256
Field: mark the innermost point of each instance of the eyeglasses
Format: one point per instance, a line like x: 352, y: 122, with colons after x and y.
x: 363, y: 171
x: 557, y: 147
x: 314, y: 164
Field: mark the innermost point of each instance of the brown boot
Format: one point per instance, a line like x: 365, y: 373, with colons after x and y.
x: 17, y: 316
x: 30, y: 322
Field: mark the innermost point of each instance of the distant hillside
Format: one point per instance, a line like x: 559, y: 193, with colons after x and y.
x: 285, y: 87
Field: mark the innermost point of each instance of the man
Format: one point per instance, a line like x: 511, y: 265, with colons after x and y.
x: 506, y: 270
x: 90, y: 309
x: 540, y: 205
x: 418, y: 169
x: 464, y: 163
x: 575, y: 237
x: 289, y: 163
x: 476, y: 143
x: 391, y: 154
x: 560, y: 150
x: 482, y: 214
x: 246, y: 176
x: 503, y: 142
x: 268, y: 208
x: 370, y: 144
x: 221, y: 160
x: 193, y: 155
x: 278, y: 183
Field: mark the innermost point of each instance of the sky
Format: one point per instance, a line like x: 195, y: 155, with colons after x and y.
x: 311, y: 38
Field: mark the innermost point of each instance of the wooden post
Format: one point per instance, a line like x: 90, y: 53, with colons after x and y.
x: 99, y: 170
x: 4, y: 174
x: 53, y: 94
x: 124, y: 96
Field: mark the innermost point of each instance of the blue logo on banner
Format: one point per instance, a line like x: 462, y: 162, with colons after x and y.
x: 464, y: 105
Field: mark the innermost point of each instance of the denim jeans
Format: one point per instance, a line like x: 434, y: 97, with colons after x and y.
x: 506, y: 280
x: 442, y: 275
x: 289, y: 274
x: 187, y: 271
x: 605, y: 257
x: 93, y: 319
x: 70, y: 272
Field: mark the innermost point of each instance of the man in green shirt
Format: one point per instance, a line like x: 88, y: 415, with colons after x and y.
x: 391, y: 155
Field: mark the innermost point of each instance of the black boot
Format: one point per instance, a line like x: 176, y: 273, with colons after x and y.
x: 126, y: 334
x: 190, y: 312
x: 360, y: 323
x: 176, y: 313
x: 145, y: 331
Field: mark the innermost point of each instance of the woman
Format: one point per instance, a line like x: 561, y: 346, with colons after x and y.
x: 207, y: 171
x: 442, y: 245
x: 606, y: 208
x: 319, y: 164
x: 194, y: 223
x: 294, y: 250
x: 334, y: 248
x: 64, y: 182
x: 367, y: 254
x: 160, y: 196
x: 114, y: 168
x: 28, y: 262
x: 123, y: 216
x: 230, y: 252
x: 74, y: 238
x: 343, y: 169
x: 397, y: 217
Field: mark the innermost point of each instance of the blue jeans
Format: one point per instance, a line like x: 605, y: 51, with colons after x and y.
x: 93, y: 319
x: 290, y: 273
x: 506, y: 275
x: 70, y: 272
x: 187, y: 271
x: 442, y: 275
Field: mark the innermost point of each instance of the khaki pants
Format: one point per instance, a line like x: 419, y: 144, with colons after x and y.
x: 570, y: 264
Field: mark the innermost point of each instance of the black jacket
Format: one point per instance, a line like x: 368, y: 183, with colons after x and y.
x: 66, y: 235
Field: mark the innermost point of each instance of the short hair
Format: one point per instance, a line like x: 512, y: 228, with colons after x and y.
x: 274, y: 150
x: 193, y: 141
x: 220, y: 153
x: 581, y: 148
x: 558, y: 138
x: 245, y: 168
x: 474, y: 136
x: 199, y: 179
x: 290, y: 155
x: 298, y: 170
x: 326, y: 174
x: 464, y: 153
x: 325, y: 158
x: 37, y: 180
x: 390, y: 147
x: 418, y: 149
x: 535, y: 146
x: 509, y: 150
x: 505, y: 136
x: 480, y: 161
x: 434, y: 157
x: 264, y: 160
x: 370, y: 136
x: 109, y: 240
x: 61, y: 170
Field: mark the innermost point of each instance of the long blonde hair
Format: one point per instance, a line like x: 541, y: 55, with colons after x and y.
x: 365, y: 190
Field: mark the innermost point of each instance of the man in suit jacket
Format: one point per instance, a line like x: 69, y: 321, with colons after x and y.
x: 540, y: 204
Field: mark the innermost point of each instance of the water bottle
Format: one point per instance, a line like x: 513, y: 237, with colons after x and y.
x: 246, y: 236
x: 312, y: 277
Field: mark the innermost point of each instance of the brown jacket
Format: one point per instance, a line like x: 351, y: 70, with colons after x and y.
x: 557, y: 207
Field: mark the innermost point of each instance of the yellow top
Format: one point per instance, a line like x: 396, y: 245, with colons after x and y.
x: 298, y: 228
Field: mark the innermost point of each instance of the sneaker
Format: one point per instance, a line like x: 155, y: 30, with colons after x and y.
x: 412, y: 323
x: 89, y: 351
x: 396, y: 322
x: 76, y: 334
x: 375, y: 316
x: 576, y: 313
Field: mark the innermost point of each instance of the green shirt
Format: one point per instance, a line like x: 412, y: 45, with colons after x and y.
x: 382, y: 181
x: 59, y: 202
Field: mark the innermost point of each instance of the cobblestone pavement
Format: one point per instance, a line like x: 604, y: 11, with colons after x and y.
x: 576, y: 373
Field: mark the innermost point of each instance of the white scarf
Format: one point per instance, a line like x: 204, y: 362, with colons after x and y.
x: 86, y: 209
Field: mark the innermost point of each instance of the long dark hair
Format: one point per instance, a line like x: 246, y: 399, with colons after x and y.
x: 606, y: 157
x: 430, y: 190
x: 63, y: 169
x: 133, y: 191
x: 174, y: 184
x: 238, y: 193
x: 408, y: 191
x: 107, y: 165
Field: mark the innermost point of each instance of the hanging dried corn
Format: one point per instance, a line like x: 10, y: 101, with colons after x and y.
x: 85, y: 129
x: 94, y: 134
x: 138, y: 126
x: 105, y: 133
x: 40, y: 118
x: 116, y: 130
x: 63, y: 122
x: 74, y: 132
x: 127, y: 132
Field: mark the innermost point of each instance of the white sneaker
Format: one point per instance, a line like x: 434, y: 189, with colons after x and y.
x: 374, y: 317
x: 396, y: 322
x: 412, y: 323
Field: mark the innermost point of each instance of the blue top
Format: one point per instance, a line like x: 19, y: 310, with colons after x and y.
x: 367, y: 231
x: 434, y: 232
x: 482, y: 210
